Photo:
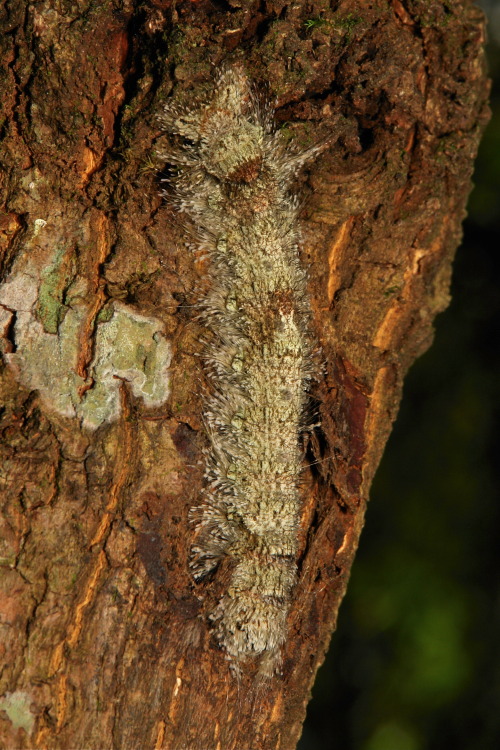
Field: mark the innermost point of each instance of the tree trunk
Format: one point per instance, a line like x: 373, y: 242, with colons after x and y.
x: 105, y: 637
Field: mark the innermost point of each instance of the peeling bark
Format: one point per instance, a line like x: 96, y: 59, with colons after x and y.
x: 104, y: 638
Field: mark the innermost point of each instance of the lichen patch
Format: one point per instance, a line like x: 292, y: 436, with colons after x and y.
x: 128, y: 346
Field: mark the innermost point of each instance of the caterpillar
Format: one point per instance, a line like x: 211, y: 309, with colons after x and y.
x: 234, y: 180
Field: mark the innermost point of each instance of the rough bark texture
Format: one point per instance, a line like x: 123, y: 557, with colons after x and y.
x: 104, y: 639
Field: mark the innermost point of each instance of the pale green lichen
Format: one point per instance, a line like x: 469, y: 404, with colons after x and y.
x: 39, y: 224
x: 131, y: 347
x: 54, y: 281
x: 46, y: 362
x: 17, y: 707
x: 128, y: 346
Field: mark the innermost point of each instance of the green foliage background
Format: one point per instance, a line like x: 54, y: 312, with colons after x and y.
x: 415, y: 663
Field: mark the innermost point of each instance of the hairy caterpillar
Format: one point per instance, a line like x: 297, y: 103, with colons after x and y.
x: 234, y: 179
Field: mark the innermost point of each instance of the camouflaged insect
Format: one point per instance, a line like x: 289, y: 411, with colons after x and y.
x: 234, y: 181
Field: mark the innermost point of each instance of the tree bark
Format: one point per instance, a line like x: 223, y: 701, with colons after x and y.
x: 105, y: 640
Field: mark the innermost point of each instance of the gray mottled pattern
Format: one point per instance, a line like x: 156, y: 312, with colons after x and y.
x: 234, y: 182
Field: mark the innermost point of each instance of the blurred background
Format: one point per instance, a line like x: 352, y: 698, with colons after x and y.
x: 415, y: 662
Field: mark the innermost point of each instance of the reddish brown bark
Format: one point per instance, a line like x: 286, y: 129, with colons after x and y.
x: 105, y: 641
